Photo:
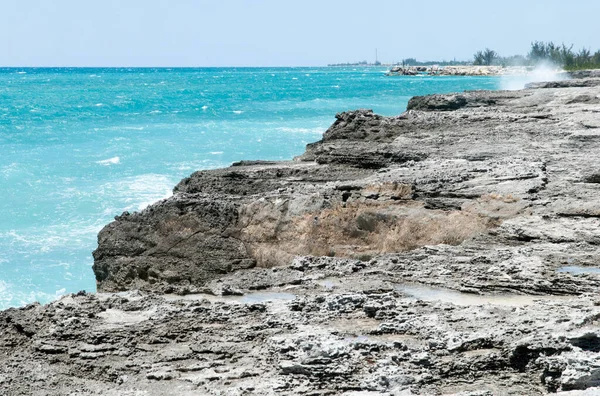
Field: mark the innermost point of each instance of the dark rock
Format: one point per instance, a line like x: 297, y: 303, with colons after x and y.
x: 577, y: 83
x: 581, y: 74
x: 437, y: 103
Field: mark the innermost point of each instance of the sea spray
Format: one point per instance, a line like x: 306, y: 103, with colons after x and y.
x: 542, y: 72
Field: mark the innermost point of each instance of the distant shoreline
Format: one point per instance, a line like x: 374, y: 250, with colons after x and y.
x: 473, y: 70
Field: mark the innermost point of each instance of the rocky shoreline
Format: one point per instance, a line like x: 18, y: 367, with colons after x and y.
x: 462, y: 70
x: 451, y: 250
x: 459, y: 70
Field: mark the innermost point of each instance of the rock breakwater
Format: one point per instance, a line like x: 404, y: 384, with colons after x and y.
x: 460, y: 70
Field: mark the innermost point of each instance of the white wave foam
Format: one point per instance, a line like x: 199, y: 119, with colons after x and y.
x: 237, y: 111
x: 110, y: 161
x: 99, y: 104
x: 300, y: 130
x: 15, y: 236
x: 138, y: 192
x: 216, y: 152
x: 52, y: 237
x: 11, y: 296
x: 9, y: 169
x: 200, y: 164
x: 542, y: 72
x: 204, y: 107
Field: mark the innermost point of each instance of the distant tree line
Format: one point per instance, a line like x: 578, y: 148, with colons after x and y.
x: 361, y: 63
x: 415, y: 62
x: 542, y: 52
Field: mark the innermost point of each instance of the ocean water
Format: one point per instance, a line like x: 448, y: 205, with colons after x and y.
x: 79, y: 146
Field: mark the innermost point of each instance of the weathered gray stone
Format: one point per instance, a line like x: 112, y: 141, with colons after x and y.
x: 418, y: 254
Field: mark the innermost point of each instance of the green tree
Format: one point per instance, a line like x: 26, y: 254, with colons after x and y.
x: 478, y: 58
x: 486, y: 57
x: 538, y: 52
x: 584, y: 57
x: 489, y: 56
x: 567, y: 55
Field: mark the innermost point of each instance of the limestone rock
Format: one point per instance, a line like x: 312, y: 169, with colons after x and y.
x: 453, y: 249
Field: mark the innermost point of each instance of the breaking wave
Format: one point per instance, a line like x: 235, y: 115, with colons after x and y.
x: 110, y: 161
x: 543, y: 72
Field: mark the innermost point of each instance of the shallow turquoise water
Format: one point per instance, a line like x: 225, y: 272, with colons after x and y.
x: 79, y: 146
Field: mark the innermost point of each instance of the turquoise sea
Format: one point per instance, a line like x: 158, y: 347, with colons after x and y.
x: 79, y: 146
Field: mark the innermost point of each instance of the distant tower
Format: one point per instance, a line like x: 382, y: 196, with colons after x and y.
x: 377, y: 63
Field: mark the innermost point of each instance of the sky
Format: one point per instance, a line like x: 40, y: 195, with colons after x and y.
x: 282, y: 32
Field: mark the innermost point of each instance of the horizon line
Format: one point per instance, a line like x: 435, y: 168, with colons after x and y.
x: 383, y: 64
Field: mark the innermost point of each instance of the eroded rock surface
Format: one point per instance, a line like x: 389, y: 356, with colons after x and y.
x: 325, y: 326
x: 452, y: 249
x: 509, y: 168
